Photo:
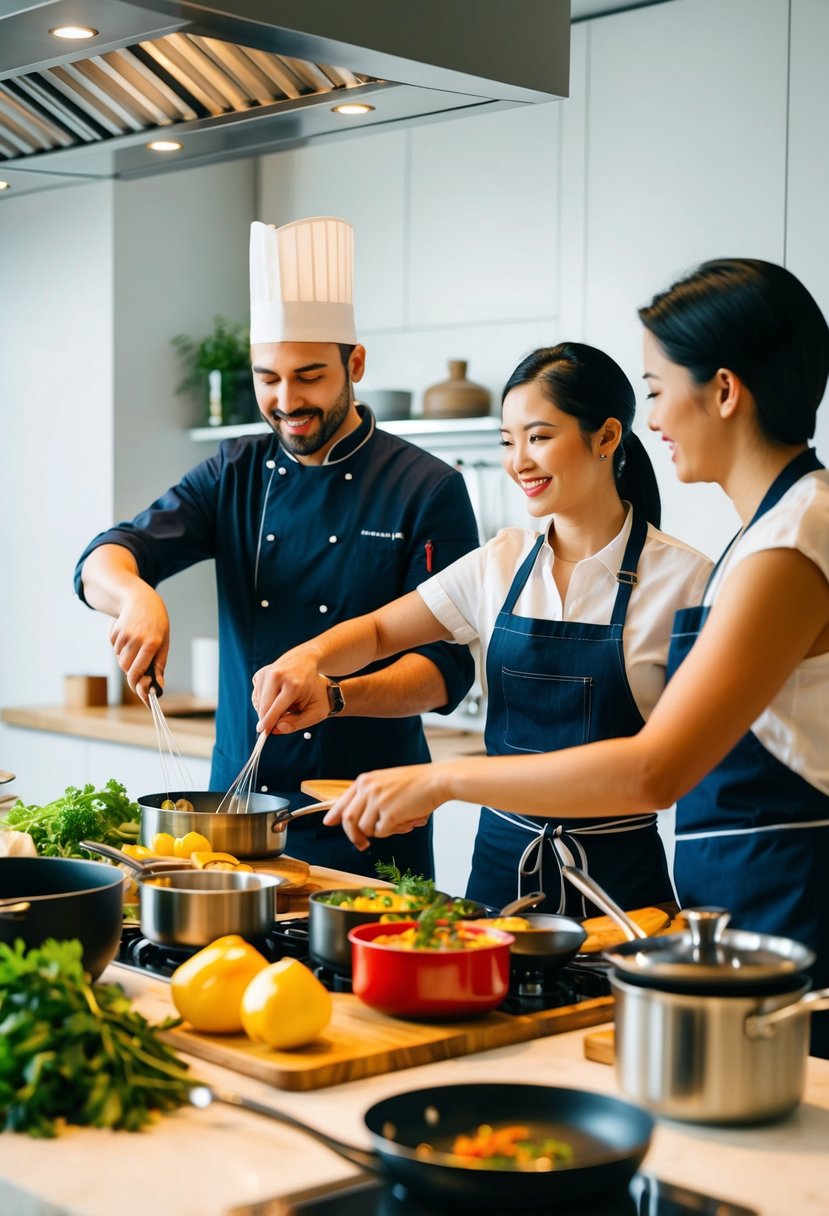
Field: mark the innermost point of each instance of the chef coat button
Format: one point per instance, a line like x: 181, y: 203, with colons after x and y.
x: 264, y: 789
x: 270, y: 464
x: 323, y: 607
x: 349, y: 476
x: 306, y: 734
x: 266, y: 603
x: 270, y: 536
x: 282, y: 471
x: 332, y: 540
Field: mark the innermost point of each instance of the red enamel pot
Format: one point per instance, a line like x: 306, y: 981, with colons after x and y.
x: 429, y: 983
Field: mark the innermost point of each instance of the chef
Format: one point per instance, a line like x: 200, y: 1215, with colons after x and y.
x: 322, y: 519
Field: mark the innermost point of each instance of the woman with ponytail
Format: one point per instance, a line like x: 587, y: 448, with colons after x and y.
x: 573, y: 623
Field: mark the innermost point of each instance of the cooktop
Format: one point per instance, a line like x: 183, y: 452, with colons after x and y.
x: 646, y: 1196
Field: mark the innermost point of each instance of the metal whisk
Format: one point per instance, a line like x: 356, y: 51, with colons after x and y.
x: 245, y: 784
x: 173, y: 769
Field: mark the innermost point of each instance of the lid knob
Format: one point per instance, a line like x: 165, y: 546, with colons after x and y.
x: 706, y: 927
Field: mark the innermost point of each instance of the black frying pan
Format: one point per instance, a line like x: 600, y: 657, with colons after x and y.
x: 609, y: 1140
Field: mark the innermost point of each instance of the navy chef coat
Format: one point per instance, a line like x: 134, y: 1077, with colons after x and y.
x: 298, y: 548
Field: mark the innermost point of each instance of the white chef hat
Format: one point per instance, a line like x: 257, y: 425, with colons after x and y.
x: 301, y: 282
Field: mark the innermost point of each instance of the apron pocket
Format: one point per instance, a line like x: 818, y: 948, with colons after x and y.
x: 563, y: 703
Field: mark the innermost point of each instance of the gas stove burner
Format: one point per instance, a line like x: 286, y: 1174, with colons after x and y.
x: 334, y: 981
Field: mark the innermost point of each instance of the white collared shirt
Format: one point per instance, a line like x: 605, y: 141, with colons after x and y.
x: 467, y: 596
x: 795, y: 726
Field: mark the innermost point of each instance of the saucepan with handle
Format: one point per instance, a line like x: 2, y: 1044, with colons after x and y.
x: 260, y: 832
x: 712, y: 1024
x: 191, y: 907
x: 413, y: 1135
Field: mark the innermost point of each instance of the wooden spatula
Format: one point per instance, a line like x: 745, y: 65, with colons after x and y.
x: 324, y: 788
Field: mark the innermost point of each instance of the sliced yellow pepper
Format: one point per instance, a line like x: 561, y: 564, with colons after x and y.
x: 139, y: 851
x: 207, y: 988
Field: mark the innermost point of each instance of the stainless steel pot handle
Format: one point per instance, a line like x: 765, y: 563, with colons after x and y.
x: 520, y: 905
x: 764, y: 1025
x: 588, y: 886
x: 147, y: 868
x: 282, y: 817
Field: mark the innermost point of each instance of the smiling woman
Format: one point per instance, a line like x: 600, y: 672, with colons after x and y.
x: 573, y: 625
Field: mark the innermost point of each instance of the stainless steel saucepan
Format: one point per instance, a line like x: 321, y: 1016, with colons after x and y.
x: 188, y: 907
x: 261, y: 832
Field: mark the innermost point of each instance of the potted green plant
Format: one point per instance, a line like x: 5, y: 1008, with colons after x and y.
x: 218, y: 371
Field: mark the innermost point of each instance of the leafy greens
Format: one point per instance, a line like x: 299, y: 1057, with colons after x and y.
x: 76, y: 1052
x: 57, y: 829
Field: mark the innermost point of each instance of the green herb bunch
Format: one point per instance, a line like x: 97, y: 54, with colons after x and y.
x: 76, y: 1052
x: 226, y: 349
x: 57, y: 829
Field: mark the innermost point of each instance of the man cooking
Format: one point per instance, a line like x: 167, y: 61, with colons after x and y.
x: 324, y: 518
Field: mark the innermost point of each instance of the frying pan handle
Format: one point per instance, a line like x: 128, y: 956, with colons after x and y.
x: 203, y: 1095
x: 147, y: 868
x: 588, y: 886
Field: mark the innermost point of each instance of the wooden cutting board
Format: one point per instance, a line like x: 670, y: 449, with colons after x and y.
x: 324, y: 788
x: 603, y: 932
x: 600, y: 1046
x: 359, y: 1042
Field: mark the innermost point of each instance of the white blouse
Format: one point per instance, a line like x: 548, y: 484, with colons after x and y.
x: 467, y: 596
x: 795, y: 726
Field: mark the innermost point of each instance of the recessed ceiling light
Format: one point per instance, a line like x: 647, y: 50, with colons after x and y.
x: 5, y: 185
x: 165, y: 145
x: 73, y: 31
x: 353, y: 107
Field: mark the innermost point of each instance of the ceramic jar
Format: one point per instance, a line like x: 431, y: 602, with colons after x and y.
x: 456, y: 397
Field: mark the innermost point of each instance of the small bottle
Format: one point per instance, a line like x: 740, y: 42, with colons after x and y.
x: 214, y: 383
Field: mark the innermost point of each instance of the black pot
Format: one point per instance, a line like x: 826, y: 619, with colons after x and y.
x: 63, y: 898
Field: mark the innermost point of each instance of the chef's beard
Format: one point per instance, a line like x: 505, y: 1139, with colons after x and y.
x: 330, y: 423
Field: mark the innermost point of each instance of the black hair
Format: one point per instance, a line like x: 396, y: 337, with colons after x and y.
x: 345, y: 353
x: 587, y: 384
x: 757, y: 320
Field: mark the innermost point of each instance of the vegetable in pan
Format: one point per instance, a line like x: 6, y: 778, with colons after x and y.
x: 410, y: 893
x: 512, y: 1148
x: 76, y: 1052
x: 58, y: 828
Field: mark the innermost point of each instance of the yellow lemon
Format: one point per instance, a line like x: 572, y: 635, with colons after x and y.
x: 207, y: 988
x: 163, y: 844
x: 285, y: 1005
x: 189, y: 843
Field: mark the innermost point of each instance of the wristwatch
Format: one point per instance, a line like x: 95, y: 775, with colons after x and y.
x: 336, y: 700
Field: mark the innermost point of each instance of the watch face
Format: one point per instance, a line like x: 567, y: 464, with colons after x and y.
x: 336, y: 700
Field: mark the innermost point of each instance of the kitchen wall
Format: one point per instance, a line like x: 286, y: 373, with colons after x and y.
x: 694, y: 129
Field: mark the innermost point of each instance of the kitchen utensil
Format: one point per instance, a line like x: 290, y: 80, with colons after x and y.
x: 609, y: 1139
x: 174, y: 771
x: 711, y: 1024
x: 239, y: 795
x: 67, y: 898
x: 324, y: 787
x: 262, y: 832
x: 547, y: 945
x: 193, y: 907
x: 329, y: 925
x: 589, y: 887
x: 428, y: 983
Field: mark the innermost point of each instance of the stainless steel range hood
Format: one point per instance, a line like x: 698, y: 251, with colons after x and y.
x: 246, y: 77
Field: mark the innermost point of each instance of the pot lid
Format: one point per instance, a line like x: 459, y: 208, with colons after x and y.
x: 708, y: 953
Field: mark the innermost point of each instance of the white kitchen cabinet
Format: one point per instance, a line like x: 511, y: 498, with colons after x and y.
x: 686, y: 160
x: 484, y: 216
x: 807, y: 235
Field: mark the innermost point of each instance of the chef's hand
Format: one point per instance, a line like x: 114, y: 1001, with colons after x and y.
x: 290, y: 694
x: 140, y: 637
x: 387, y: 802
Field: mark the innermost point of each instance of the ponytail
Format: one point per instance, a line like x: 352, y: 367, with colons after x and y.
x: 636, y: 479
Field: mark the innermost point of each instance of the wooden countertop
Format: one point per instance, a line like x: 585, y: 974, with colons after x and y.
x: 191, y: 722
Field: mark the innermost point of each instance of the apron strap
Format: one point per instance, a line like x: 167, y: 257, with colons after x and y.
x: 626, y: 575
x: 521, y: 577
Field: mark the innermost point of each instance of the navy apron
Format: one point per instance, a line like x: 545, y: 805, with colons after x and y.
x: 556, y: 684
x: 753, y: 836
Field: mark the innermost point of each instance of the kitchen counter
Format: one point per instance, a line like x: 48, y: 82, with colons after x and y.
x: 220, y: 1161
x: 191, y: 723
